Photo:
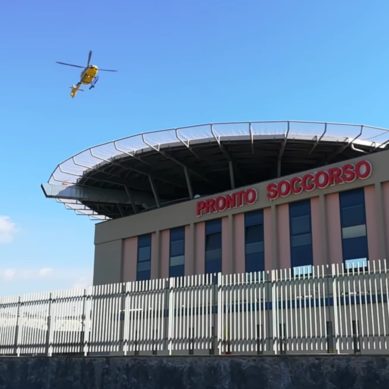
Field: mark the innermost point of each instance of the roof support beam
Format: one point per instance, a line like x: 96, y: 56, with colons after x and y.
x: 232, y: 178
x: 318, y: 139
x: 344, y: 147
x: 141, y: 172
x: 129, y: 194
x: 188, y: 183
x: 282, y: 149
x: 155, y: 194
x: 181, y: 164
x: 227, y: 156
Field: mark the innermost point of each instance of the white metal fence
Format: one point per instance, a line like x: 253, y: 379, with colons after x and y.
x: 328, y: 310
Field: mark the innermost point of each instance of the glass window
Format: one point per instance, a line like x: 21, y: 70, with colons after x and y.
x: 254, y: 241
x: 353, y: 223
x: 213, y: 246
x: 300, y: 236
x: 144, y: 257
x: 177, y: 252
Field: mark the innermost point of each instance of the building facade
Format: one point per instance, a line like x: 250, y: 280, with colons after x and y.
x: 232, y: 198
x: 336, y: 214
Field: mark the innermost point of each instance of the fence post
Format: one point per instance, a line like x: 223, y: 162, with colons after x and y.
x: 170, y: 320
x: 49, y: 333
x: 220, y: 313
x: 274, y: 310
x: 335, y: 306
x: 86, y: 319
x: 126, y: 324
x: 17, y: 329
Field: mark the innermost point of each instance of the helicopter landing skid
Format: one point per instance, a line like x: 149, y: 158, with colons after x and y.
x: 94, y: 82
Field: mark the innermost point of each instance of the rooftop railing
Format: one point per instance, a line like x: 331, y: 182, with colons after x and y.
x: 71, y: 170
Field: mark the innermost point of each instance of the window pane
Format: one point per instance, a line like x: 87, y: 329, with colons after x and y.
x: 300, y: 233
x: 144, y: 257
x: 144, y: 240
x: 255, y: 262
x: 352, y: 197
x: 213, y: 226
x: 176, y: 271
x: 144, y: 266
x: 354, y: 231
x: 144, y: 253
x: 355, y: 263
x: 353, y: 220
x: 254, y: 233
x: 213, y: 266
x: 179, y: 260
x: 143, y: 275
x: 213, y: 241
x: 301, y: 224
x: 300, y: 208
x: 301, y: 240
x: 353, y: 215
x: 177, y: 233
x: 256, y: 247
x: 211, y: 255
x: 253, y: 218
x: 355, y: 248
x: 177, y: 248
x: 302, y: 255
x: 302, y: 270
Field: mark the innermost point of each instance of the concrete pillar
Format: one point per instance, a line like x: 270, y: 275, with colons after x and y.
x: 130, y: 253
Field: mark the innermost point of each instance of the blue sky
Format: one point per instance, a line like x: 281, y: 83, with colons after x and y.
x: 180, y: 63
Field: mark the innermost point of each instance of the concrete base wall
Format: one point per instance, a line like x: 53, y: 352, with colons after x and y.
x: 195, y: 372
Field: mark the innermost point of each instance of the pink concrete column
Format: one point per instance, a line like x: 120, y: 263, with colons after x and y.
x: 227, y: 242
x: 239, y: 251
x: 318, y: 242
x: 334, y: 231
x: 385, y: 190
x: 189, y: 250
x: 130, y: 252
x: 268, y: 240
x: 372, y: 223
x: 283, y: 237
x: 200, y: 248
x: 164, y: 257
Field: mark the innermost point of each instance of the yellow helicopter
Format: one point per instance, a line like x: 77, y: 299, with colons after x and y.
x: 88, y: 75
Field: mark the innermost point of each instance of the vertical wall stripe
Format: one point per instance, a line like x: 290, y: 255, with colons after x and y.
x: 130, y: 252
x: 200, y: 248
x: 267, y: 236
x: 190, y: 240
x: 155, y: 257
x: 274, y: 240
x: 334, y: 231
x: 165, y: 248
x: 379, y: 206
x: 385, y: 192
x: 323, y: 224
x: 318, y: 243
x: 372, y: 223
x: 239, y: 254
x: 227, y: 242
x: 283, y: 236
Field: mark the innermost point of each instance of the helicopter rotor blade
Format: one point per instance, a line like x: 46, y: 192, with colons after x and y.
x: 89, y: 58
x: 70, y: 64
x: 108, y: 70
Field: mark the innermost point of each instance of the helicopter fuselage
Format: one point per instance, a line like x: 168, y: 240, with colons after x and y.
x: 89, y: 74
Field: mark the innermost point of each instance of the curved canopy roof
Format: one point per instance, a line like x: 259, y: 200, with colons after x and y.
x: 154, y: 169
